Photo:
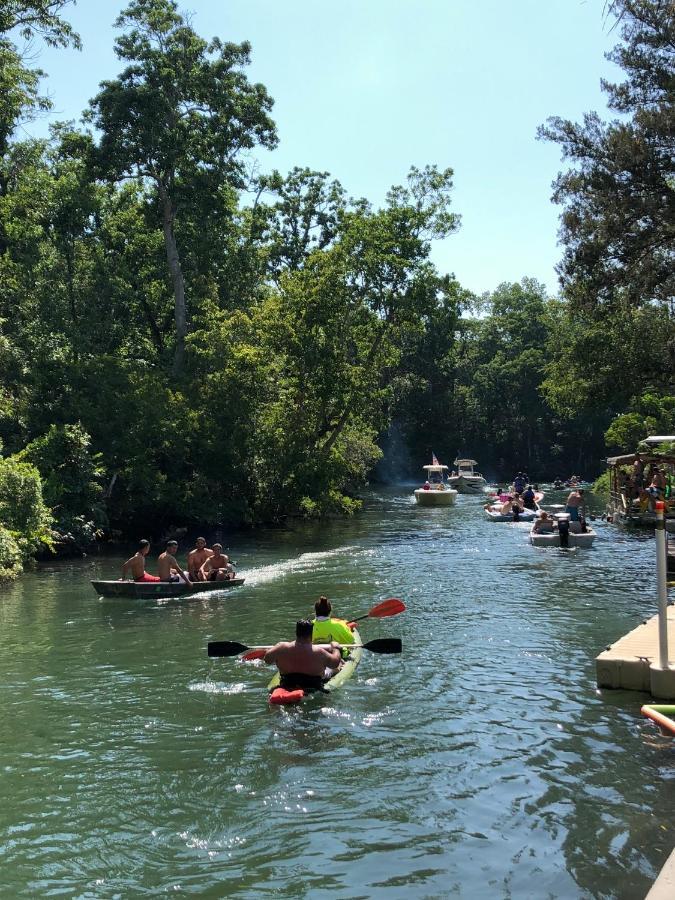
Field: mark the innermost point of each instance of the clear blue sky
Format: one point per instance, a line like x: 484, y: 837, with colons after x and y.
x: 365, y: 88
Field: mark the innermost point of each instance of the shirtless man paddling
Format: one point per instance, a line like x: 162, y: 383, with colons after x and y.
x: 137, y: 564
x: 302, y: 664
x: 197, y: 558
x: 167, y: 565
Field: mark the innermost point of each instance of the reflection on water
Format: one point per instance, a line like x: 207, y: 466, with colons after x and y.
x: 481, y: 763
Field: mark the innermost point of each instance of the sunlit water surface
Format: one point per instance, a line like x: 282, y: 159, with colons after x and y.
x: 482, y: 762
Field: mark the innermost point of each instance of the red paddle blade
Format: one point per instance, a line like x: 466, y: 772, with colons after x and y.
x: 254, y: 654
x: 390, y: 607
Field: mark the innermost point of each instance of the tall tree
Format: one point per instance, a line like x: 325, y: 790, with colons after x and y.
x: 180, y: 115
x: 618, y: 225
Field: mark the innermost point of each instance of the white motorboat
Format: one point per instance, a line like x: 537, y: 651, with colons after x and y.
x: 495, y: 514
x: 559, y: 531
x: 465, y: 479
x: 436, y: 490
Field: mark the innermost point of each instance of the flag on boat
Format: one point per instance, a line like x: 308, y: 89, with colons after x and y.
x: 434, y: 460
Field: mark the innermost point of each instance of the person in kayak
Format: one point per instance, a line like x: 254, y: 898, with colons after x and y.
x: 137, y: 564
x: 301, y: 664
x: 326, y: 628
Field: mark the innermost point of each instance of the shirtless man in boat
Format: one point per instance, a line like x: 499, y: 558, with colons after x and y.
x: 197, y: 558
x: 167, y: 565
x: 217, y: 567
x: 302, y: 664
x: 137, y: 564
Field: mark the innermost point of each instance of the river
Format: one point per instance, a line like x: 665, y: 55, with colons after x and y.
x: 481, y: 763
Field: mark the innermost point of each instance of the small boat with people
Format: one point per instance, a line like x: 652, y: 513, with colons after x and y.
x: 497, y: 512
x: 465, y: 479
x: 161, y: 590
x: 560, y: 531
x: 435, y: 491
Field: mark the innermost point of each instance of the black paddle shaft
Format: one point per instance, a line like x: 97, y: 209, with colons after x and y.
x: 233, y: 648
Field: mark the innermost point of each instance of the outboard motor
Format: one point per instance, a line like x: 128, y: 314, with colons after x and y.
x: 516, y: 514
x: 564, y: 531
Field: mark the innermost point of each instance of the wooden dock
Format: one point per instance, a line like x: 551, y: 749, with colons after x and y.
x: 632, y: 662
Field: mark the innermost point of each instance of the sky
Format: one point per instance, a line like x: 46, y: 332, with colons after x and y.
x: 364, y: 89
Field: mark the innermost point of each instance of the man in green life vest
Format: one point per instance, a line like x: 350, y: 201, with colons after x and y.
x: 326, y: 628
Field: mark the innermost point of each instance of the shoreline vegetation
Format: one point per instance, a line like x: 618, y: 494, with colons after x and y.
x: 184, y: 340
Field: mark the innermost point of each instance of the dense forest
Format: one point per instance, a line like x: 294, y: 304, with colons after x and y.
x: 183, y: 341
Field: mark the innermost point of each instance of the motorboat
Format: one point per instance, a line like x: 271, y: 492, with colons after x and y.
x: 465, y: 479
x: 495, y: 514
x: 436, y: 490
x: 560, y: 531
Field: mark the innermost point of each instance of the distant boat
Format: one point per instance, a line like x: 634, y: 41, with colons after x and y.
x: 436, y: 491
x: 467, y: 481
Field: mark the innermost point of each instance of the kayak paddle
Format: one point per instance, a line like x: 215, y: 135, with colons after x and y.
x: 233, y: 648
x: 390, y: 607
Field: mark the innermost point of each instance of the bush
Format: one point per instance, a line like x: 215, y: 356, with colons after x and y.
x: 10, y: 556
x: 71, y: 486
x: 23, y: 513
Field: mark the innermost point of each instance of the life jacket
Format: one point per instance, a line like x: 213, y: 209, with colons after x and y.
x: 326, y: 630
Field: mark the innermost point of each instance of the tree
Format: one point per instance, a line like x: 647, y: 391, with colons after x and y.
x: 38, y: 17
x: 180, y: 116
x: 619, y: 196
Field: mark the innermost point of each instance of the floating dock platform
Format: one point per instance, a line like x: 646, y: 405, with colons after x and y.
x: 632, y: 662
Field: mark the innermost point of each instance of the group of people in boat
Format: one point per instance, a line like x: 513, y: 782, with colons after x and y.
x: 645, y: 484
x: 522, y: 497
x: 203, y: 564
x: 316, y: 653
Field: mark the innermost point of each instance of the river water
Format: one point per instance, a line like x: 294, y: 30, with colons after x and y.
x: 481, y: 763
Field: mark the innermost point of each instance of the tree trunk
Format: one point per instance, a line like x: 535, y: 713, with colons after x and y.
x: 173, y: 259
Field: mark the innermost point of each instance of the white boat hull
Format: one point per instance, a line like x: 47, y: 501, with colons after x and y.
x: 552, y: 539
x: 435, y: 497
x: 525, y: 516
x: 468, y: 485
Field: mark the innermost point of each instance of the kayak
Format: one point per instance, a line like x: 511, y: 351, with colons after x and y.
x: 281, y: 697
x: 157, y: 590
x: 663, y: 715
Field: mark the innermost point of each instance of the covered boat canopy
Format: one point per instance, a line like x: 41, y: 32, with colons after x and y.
x: 465, y: 462
x: 438, y: 468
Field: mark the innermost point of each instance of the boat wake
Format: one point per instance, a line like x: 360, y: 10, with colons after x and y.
x: 304, y: 562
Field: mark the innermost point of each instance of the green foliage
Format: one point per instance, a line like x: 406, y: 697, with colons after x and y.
x: 10, y: 556
x: 38, y: 17
x: 71, y: 476
x: 619, y: 195
x: 650, y: 414
x: 22, y: 509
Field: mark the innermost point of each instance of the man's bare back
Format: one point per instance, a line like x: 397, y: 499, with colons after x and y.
x: 136, y: 565
x: 299, y: 657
